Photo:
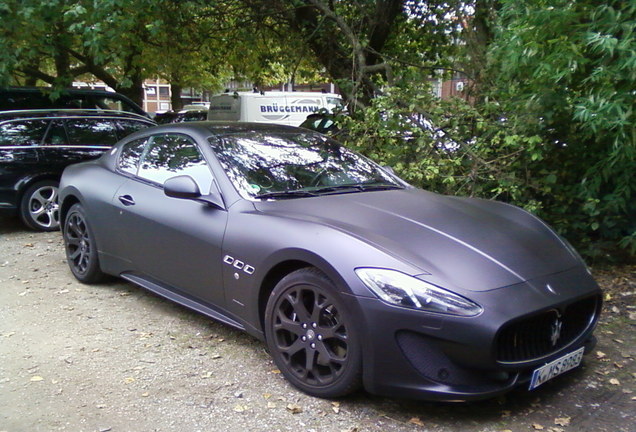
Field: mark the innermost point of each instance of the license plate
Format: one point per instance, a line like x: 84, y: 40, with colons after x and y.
x: 556, y: 367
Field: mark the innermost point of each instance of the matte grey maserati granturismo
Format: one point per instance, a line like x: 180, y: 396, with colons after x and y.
x: 351, y: 276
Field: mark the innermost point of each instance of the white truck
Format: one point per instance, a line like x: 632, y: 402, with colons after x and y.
x: 287, y: 108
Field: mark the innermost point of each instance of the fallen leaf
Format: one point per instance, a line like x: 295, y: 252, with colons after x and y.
x: 28, y: 245
x: 146, y: 394
x: 36, y: 378
x: 537, y: 426
x: 129, y: 380
x: 295, y: 409
x: 275, y: 371
x: 614, y: 381
x: 206, y: 375
x: 335, y: 406
x: 416, y: 421
x: 562, y: 421
x: 216, y: 356
x: 600, y: 354
x: 608, y: 297
x: 267, y: 395
x: 618, y: 341
x: 240, y: 408
x: 271, y: 405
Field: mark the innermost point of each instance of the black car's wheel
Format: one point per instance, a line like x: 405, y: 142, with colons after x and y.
x: 39, y: 209
x: 81, y: 249
x: 311, y: 337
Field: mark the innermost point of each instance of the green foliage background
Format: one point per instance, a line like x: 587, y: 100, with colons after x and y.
x: 547, y: 122
x: 551, y: 127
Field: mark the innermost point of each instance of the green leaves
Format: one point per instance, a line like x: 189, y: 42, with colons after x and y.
x: 571, y: 64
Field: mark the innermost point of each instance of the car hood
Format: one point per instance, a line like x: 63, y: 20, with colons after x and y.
x: 471, y: 244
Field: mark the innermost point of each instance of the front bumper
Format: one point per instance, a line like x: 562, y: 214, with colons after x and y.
x: 420, y: 355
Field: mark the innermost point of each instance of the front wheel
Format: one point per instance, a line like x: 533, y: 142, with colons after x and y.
x: 39, y: 208
x: 311, y: 337
x: 80, y: 246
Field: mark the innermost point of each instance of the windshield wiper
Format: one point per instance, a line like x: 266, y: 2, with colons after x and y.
x: 360, y: 187
x: 286, y: 194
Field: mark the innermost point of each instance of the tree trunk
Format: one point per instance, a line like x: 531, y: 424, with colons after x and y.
x: 175, y: 96
x: 135, y: 92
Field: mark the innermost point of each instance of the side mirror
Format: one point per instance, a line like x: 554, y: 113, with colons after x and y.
x: 185, y: 187
x: 181, y: 187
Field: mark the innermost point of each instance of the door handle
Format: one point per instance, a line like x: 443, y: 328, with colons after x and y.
x: 126, y: 200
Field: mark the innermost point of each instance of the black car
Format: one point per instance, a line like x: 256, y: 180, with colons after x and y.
x: 350, y: 275
x: 181, y: 116
x: 36, y: 146
x: 30, y: 98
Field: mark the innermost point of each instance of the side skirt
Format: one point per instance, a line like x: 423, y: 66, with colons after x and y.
x: 182, y: 300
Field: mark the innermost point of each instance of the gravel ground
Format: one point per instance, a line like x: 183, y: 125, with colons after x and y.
x: 114, y: 357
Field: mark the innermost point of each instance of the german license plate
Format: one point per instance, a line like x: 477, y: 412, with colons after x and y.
x: 556, y: 367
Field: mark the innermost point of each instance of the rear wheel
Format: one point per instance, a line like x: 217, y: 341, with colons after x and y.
x: 80, y: 246
x: 311, y: 337
x: 39, y: 209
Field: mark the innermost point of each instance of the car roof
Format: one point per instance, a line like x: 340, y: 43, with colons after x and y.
x: 225, y: 128
x: 46, y: 113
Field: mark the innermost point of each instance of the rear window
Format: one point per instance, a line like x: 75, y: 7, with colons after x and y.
x: 130, y: 156
x: 22, y: 133
x: 91, y: 132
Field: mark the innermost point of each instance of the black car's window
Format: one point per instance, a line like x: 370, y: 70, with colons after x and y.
x: 22, y: 132
x: 56, y: 134
x: 130, y: 156
x: 126, y: 127
x: 261, y: 163
x: 91, y: 132
x: 172, y: 155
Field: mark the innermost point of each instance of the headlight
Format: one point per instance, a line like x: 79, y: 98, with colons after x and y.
x: 400, y: 289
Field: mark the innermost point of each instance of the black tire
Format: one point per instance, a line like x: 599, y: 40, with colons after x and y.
x: 311, y: 337
x: 80, y: 246
x: 39, y: 208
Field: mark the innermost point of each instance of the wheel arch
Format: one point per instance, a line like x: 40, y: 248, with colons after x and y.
x: 65, y: 205
x: 28, y: 181
x: 271, y: 279
x: 281, y: 269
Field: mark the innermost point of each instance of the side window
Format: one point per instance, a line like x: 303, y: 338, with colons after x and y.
x: 57, y: 134
x: 22, y: 132
x: 91, y: 132
x: 172, y: 155
x: 126, y: 127
x: 130, y: 156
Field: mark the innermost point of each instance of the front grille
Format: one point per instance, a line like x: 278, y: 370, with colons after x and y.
x: 541, y: 335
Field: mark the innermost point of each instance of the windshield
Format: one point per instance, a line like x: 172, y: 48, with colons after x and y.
x: 294, y: 164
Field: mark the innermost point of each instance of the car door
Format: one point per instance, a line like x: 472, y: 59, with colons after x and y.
x: 74, y: 140
x: 177, y: 242
x: 19, y: 156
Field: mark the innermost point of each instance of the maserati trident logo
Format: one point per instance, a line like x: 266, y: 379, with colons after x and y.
x: 555, y: 331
